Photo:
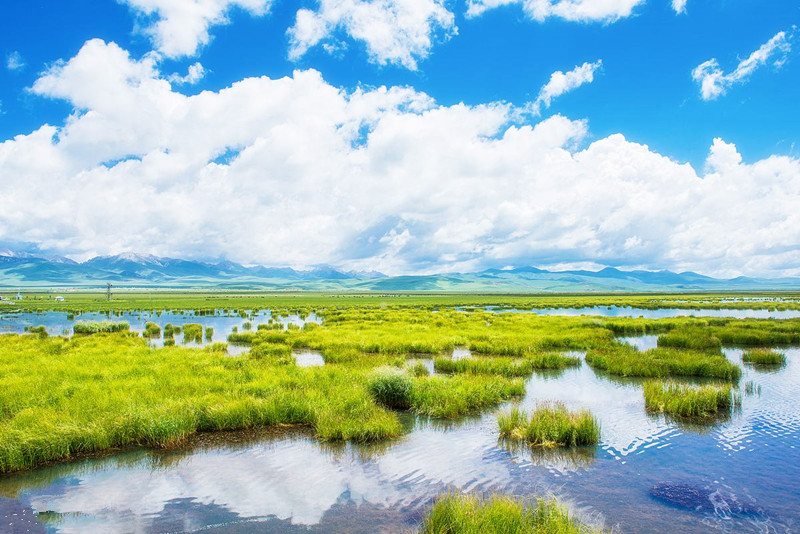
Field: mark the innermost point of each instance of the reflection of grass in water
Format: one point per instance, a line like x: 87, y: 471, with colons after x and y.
x: 690, y: 402
x: 470, y: 514
x: 563, y: 458
x: 751, y: 388
x: 550, y: 425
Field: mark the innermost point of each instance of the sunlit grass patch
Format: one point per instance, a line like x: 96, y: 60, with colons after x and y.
x: 469, y: 514
x: 687, y: 401
x: 97, y: 327
x: 504, y: 366
x: 391, y: 387
x: 151, y: 330
x: 624, y: 360
x: 690, y: 339
x: 764, y: 357
x: 454, y: 396
x: 550, y: 425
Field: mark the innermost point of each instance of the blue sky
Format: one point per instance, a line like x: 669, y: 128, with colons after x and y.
x: 641, y: 55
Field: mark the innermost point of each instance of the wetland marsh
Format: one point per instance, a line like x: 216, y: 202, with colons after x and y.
x: 367, y: 410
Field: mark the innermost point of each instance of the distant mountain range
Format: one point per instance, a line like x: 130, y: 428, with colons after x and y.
x: 143, y: 270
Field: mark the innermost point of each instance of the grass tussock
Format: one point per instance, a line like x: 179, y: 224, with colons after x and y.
x: 698, y: 339
x: 192, y: 332
x: 504, y: 366
x: 623, y: 360
x: 99, y: 327
x: 764, y: 357
x: 469, y: 514
x: 392, y: 388
x: 687, y: 401
x: 151, y: 330
x: 550, y: 426
x: 454, y: 396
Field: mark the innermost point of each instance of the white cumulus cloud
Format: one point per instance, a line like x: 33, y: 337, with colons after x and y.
x: 194, y: 74
x: 294, y: 171
x: 561, y: 82
x: 14, y: 61
x: 572, y: 10
x: 394, y: 31
x: 679, y: 6
x: 714, y: 82
x: 179, y: 27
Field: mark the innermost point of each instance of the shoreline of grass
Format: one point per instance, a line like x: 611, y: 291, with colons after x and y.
x: 499, y: 514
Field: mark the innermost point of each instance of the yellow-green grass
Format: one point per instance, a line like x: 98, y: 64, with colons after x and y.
x: 764, y: 357
x: 455, y: 396
x: 98, y: 327
x: 209, y: 300
x: 505, y: 366
x: 60, y: 398
x: 151, y: 330
x: 622, y: 359
x: 192, y: 332
x: 550, y: 425
x: 690, y: 339
x: 498, y: 514
x: 687, y: 401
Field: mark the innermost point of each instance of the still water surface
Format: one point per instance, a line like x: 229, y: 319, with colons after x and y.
x: 649, y: 474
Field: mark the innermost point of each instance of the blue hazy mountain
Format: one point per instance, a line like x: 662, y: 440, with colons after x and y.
x: 19, y: 269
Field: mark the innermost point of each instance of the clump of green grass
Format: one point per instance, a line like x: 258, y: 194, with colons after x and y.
x: 469, y: 514
x: 690, y: 339
x: 217, y: 347
x: 505, y: 366
x: 280, y: 354
x: 192, y: 332
x: 41, y: 331
x: 686, y: 401
x: 622, y: 359
x: 550, y: 425
x: 489, y: 366
x: 418, y: 369
x: 169, y: 331
x: 391, y: 388
x: 454, y: 396
x: 151, y: 330
x: 98, y: 327
x: 242, y: 338
x: 209, y: 333
x: 764, y: 357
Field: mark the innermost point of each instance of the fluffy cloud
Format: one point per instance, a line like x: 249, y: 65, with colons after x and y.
x: 714, y: 82
x: 14, y: 61
x: 679, y: 6
x: 294, y: 171
x: 561, y: 83
x: 572, y: 10
x: 179, y: 27
x: 394, y: 31
x: 195, y: 73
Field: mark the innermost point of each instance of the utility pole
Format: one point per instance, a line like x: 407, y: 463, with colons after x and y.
x: 108, y: 291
